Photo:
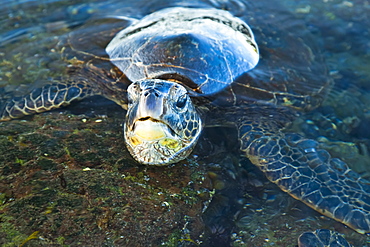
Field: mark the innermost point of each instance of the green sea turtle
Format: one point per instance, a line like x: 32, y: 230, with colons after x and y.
x: 180, y: 69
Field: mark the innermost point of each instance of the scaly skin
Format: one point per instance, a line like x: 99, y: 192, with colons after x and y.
x: 81, y: 82
x: 46, y: 98
x: 322, y: 237
x: 305, y: 172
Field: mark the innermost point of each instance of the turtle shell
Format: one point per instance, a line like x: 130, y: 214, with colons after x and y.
x: 206, y: 50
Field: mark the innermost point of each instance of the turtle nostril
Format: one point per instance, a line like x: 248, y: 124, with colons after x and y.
x: 151, y: 91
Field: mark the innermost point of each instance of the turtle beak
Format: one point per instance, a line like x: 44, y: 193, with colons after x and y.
x: 150, y: 105
x: 146, y: 124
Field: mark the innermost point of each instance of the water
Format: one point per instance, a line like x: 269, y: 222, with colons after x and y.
x: 43, y: 160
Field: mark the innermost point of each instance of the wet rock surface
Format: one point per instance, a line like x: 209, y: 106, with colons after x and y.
x: 70, y: 179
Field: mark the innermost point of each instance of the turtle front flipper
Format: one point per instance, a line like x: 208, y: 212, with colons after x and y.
x: 304, y: 171
x: 46, y: 98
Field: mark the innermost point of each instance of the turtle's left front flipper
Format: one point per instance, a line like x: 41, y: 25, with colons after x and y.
x: 304, y: 171
x: 79, y: 83
x: 51, y: 96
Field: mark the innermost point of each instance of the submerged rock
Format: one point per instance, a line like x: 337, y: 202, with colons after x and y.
x: 69, y: 180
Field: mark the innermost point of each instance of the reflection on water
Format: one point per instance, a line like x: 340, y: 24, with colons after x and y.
x: 30, y: 33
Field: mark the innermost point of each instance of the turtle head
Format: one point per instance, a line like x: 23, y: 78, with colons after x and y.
x: 162, y: 125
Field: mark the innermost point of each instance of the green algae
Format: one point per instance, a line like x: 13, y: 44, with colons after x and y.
x: 107, y: 196
x: 11, y: 237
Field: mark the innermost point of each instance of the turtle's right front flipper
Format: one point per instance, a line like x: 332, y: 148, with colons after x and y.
x: 46, y: 98
x: 299, y: 167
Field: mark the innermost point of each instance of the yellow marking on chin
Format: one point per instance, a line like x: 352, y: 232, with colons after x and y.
x: 170, y: 143
x: 149, y: 131
x: 135, y: 141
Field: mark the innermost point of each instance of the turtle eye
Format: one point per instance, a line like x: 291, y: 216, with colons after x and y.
x: 180, y: 103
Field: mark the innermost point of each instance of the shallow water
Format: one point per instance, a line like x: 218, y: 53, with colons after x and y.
x: 336, y: 30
